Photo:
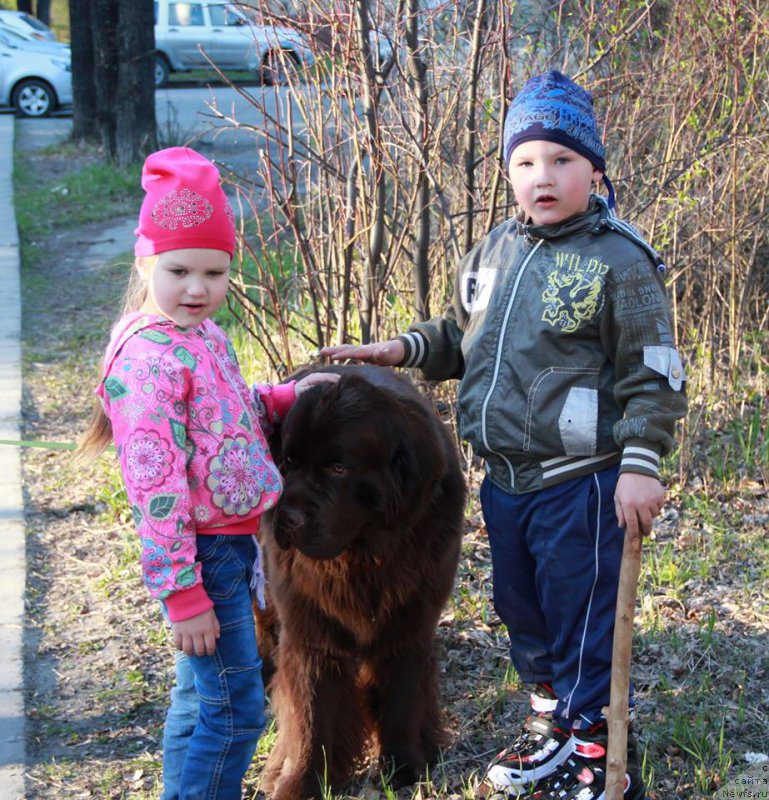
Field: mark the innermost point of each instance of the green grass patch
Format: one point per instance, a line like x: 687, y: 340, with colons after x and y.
x: 212, y: 76
x: 115, y: 580
x: 699, y: 654
x: 94, y: 193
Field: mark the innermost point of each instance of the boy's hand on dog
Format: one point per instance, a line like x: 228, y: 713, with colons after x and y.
x: 197, y: 636
x: 638, y: 500
x: 386, y: 354
x: 313, y: 379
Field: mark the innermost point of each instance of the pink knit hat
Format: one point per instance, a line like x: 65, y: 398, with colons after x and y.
x: 184, y: 206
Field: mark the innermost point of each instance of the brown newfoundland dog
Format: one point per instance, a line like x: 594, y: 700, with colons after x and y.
x: 361, y: 555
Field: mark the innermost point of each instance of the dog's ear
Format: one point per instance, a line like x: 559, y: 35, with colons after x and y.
x: 424, y: 441
x: 401, y: 472
x: 402, y: 463
x: 419, y: 460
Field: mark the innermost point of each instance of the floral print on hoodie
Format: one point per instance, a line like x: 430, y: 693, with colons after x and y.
x: 190, y: 438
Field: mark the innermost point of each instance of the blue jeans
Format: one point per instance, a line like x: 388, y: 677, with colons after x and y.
x: 217, y: 706
x: 556, y: 555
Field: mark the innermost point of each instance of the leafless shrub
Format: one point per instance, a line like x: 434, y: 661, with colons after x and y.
x: 380, y: 164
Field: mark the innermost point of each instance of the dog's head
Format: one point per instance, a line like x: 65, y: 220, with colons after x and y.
x: 354, y: 456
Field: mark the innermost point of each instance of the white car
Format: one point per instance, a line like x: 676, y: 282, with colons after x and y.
x: 34, y: 83
x: 26, y: 24
x: 12, y: 38
x: 187, y: 32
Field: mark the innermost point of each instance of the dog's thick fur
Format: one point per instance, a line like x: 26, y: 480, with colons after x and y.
x: 361, y: 556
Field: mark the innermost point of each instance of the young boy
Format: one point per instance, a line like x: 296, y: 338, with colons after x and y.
x: 570, y: 388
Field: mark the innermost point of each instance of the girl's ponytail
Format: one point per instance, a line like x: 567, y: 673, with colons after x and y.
x: 97, y: 437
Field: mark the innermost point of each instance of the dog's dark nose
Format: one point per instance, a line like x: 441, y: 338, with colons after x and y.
x: 291, y: 518
x: 289, y: 521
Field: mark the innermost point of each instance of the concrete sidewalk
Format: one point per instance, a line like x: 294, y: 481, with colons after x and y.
x: 12, y: 546
x: 30, y: 134
x: 36, y: 134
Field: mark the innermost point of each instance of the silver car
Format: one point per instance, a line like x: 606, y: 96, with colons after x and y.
x: 26, y: 24
x: 34, y: 83
x: 188, y: 34
x: 13, y: 38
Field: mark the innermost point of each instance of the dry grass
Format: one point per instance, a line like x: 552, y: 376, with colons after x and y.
x: 98, y: 661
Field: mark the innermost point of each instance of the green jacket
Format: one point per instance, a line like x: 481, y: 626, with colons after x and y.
x: 563, y: 340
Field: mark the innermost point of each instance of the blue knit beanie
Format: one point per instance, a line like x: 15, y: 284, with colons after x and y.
x: 554, y: 108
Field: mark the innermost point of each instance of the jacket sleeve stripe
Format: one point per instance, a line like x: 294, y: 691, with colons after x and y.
x: 575, y: 464
x: 638, y: 465
x: 641, y: 452
x: 415, y: 345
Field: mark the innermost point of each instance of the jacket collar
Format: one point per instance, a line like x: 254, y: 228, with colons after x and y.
x: 134, y: 323
x: 590, y: 220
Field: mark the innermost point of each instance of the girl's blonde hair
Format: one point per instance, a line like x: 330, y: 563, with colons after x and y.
x: 98, y: 435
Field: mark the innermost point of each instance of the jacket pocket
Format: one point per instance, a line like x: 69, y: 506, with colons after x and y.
x: 578, y: 422
x: 577, y: 417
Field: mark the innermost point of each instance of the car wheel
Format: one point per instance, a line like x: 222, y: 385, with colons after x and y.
x: 33, y: 98
x: 162, y: 70
x: 279, y: 67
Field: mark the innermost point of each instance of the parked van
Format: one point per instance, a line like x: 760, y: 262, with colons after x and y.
x: 188, y: 34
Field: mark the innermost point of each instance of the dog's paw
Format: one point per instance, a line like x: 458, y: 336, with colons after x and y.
x: 271, y: 773
x: 296, y: 786
x: 400, y: 769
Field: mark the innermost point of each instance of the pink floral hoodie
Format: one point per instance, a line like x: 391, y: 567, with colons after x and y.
x: 190, y: 440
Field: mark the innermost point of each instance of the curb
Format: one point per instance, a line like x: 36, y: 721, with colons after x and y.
x: 12, y: 545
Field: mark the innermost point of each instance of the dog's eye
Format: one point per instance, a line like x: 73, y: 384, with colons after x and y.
x: 339, y: 469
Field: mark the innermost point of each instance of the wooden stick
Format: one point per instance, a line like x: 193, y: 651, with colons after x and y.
x: 618, y: 715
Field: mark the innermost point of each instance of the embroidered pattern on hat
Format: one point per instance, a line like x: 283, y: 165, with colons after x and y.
x: 184, y: 208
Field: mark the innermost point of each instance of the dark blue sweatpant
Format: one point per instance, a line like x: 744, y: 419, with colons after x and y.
x: 556, y: 557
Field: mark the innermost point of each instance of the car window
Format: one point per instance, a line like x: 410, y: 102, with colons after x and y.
x: 225, y: 15
x: 33, y: 22
x: 185, y: 14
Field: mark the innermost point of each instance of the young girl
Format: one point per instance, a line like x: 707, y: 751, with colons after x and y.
x: 190, y: 440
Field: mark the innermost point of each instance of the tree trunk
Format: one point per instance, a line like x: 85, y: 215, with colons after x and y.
x: 370, y: 108
x: 418, y: 81
x: 500, y: 186
x: 471, y: 132
x: 113, y: 67
x: 104, y: 27
x: 83, y: 85
x: 44, y: 11
x: 135, y: 98
x: 24, y: 5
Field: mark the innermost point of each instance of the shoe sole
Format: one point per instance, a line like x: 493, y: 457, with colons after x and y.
x: 508, y: 781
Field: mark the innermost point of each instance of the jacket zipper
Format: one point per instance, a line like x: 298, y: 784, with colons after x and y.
x: 498, y: 361
x: 254, y: 423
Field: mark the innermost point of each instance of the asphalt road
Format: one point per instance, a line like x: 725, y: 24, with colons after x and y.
x: 220, y: 121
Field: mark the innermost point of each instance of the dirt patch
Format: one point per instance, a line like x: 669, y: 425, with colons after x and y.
x: 98, y: 659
